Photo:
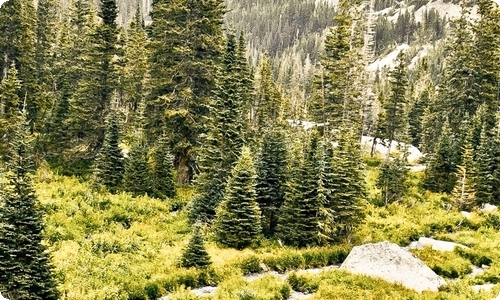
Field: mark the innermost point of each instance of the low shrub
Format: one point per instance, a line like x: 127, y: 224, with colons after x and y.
x: 446, y: 264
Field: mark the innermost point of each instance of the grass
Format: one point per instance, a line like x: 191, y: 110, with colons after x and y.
x: 120, y: 247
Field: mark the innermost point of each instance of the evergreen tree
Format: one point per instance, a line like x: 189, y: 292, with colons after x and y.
x: 223, y: 141
x: 393, y: 178
x: 394, y: 121
x: 485, y: 168
x: 137, y: 175
x: 92, y: 99
x: 272, y: 177
x: 464, y: 190
x: 163, y: 170
x: 237, y: 221
x: 298, y: 223
x: 336, y: 100
x: 195, y: 254
x: 109, y: 165
x: 439, y: 176
x: 9, y: 106
x: 349, y: 184
x: 186, y: 48
x: 26, y: 272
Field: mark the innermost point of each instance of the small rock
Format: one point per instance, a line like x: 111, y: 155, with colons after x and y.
x: 415, y: 245
x: 483, y: 287
x: 466, y: 214
x: 488, y: 208
x: 299, y: 296
x: 204, y: 291
x: 476, y: 271
x: 263, y: 267
x: 439, y: 245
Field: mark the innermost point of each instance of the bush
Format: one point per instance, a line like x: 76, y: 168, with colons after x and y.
x: 285, y: 262
x: 446, y: 264
x: 251, y: 264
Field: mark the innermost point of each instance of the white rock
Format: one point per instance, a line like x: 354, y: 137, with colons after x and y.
x: 466, y: 214
x: 394, y: 264
x: 416, y: 245
x: 205, y: 291
x: 299, y: 296
x: 476, y: 271
x: 483, y: 287
x: 488, y: 208
x: 2, y: 297
x: 382, y: 148
x: 439, y: 245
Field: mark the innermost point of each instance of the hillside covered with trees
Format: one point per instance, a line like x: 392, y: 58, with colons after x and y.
x: 148, y: 154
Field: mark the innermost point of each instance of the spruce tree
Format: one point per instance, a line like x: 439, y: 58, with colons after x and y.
x: 485, y: 165
x: 439, y: 176
x: 109, y: 165
x: 137, y: 175
x: 186, y: 49
x: 224, y: 139
x: 349, y: 184
x: 195, y: 255
x: 393, y: 178
x: 26, y: 272
x: 237, y: 222
x: 9, y: 106
x: 336, y: 100
x: 272, y: 177
x: 163, y: 170
x: 298, y: 223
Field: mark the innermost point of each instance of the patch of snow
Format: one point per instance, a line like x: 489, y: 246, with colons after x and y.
x: 422, y: 53
x: 388, y: 60
x: 439, y: 245
x: 394, y: 264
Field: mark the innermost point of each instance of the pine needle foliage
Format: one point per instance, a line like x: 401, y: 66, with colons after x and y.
x: 237, y: 222
x: 137, y: 175
x: 393, y: 178
x: 195, y: 255
x: 272, y: 177
x: 163, y: 170
x: 464, y: 192
x: 26, y: 272
x: 109, y: 164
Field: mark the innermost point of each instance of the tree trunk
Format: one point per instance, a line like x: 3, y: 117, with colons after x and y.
x: 183, y: 170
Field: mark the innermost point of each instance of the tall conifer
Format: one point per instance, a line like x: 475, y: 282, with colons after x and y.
x: 26, y: 272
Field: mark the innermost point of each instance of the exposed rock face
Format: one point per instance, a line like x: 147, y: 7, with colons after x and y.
x: 392, y: 263
x: 438, y: 245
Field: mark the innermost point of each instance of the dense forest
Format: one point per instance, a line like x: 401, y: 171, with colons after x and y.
x: 140, y: 151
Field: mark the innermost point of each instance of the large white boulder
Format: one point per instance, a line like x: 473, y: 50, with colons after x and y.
x: 382, y: 148
x: 392, y: 263
x: 439, y: 245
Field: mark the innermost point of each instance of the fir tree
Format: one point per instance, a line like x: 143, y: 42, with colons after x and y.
x: 109, y: 165
x: 9, y: 106
x: 223, y: 141
x: 349, y: 186
x: 195, y: 254
x: 298, y: 224
x: 272, y: 177
x: 26, y: 272
x: 393, y: 178
x: 186, y: 49
x: 484, y: 168
x: 439, y: 176
x: 237, y: 223
x: 336, y: 100
x: 137, y: 175
x: 163, y: 170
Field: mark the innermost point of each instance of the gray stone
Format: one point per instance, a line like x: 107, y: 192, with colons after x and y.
x: 394, y: 264
x: 299, y: 296
x: 483, y: 287
x: 439, y: 245
x: 487, y: 208
x: 205, y: 291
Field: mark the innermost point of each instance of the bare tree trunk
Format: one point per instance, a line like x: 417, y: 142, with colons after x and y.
x: 183, y: 170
